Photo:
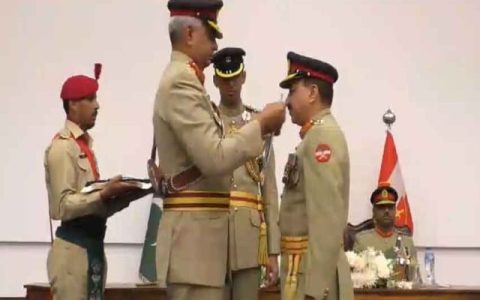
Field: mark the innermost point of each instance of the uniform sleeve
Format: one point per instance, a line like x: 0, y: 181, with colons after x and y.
x: 358, y: 245
x: 270, y: 200
x: 190, y: 116
x: 65, y: 201
x: 326, y: 208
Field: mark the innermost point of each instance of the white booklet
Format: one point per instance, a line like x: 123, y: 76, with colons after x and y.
x: 92, y: 186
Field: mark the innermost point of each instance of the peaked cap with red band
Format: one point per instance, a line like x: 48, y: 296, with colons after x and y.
x: 80, y: 86
x: 384, y: 195
x: 205, y: 10
x: 300, y: 66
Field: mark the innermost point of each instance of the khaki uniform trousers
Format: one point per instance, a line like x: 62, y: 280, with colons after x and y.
x: 67, y: 268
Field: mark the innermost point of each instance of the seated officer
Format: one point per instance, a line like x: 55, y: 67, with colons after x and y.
x: 384, y: 235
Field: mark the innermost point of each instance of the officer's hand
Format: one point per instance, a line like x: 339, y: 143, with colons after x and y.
x: 271, y: 118
x: 272, y: 270
x: 115, y: 188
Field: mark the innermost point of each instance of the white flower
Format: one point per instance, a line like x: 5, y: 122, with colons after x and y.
x: 351, y: 257
x: 371, y: 252
x: 369, y: 267
x: 357, y: 279
x: 357, y: 262
x: 370, y: 278
x: 363, y: 279
x: 383, y: 266
x: 407, y: 285
x: 384, y: 272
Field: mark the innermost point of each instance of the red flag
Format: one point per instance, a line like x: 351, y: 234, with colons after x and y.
x: 391, y: 173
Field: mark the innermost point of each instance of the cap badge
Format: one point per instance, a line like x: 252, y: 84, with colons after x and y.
x: 384, y: 194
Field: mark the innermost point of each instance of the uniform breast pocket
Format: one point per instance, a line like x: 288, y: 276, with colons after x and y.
x: 83, y: 163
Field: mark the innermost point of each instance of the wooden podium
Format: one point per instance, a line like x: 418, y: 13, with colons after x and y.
x: 133, y: 292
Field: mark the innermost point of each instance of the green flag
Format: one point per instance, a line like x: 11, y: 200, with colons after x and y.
x: 147, y: 271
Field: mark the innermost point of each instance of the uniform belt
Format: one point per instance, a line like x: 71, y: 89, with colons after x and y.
x: 243, y: 199
x: 294, y: 244
x: 90, y: 227
x: 78, y: 237
x: 181, y: 180
x: 197, y: 201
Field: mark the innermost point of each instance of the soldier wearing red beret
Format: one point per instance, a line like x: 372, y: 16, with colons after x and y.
x: 76, y: 262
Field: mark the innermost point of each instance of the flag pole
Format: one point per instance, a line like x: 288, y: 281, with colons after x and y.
x: 388, y: 118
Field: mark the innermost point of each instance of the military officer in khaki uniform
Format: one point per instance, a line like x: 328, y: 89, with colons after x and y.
x: 76, y: 264
x: 196, y: 160
x: 384, y: 236
x: 314, y: 205
x: 254, y: 237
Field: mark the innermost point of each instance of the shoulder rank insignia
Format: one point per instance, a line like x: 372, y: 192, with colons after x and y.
x: 198, y: 72
x: 305, y: 128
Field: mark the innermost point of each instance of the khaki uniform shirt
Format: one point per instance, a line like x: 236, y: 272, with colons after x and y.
x: 192, y: 247
x: 245, y: 222
x: 370, y: 238
x: 315, y: 204
x: 67, y: 170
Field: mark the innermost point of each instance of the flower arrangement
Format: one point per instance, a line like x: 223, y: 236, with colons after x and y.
x: 371, y: 269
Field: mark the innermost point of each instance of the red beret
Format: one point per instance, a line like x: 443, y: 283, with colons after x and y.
x: 80, y: 86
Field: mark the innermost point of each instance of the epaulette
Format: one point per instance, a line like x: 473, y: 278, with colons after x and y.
x: 63, y: 134
x: 198, y: 72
